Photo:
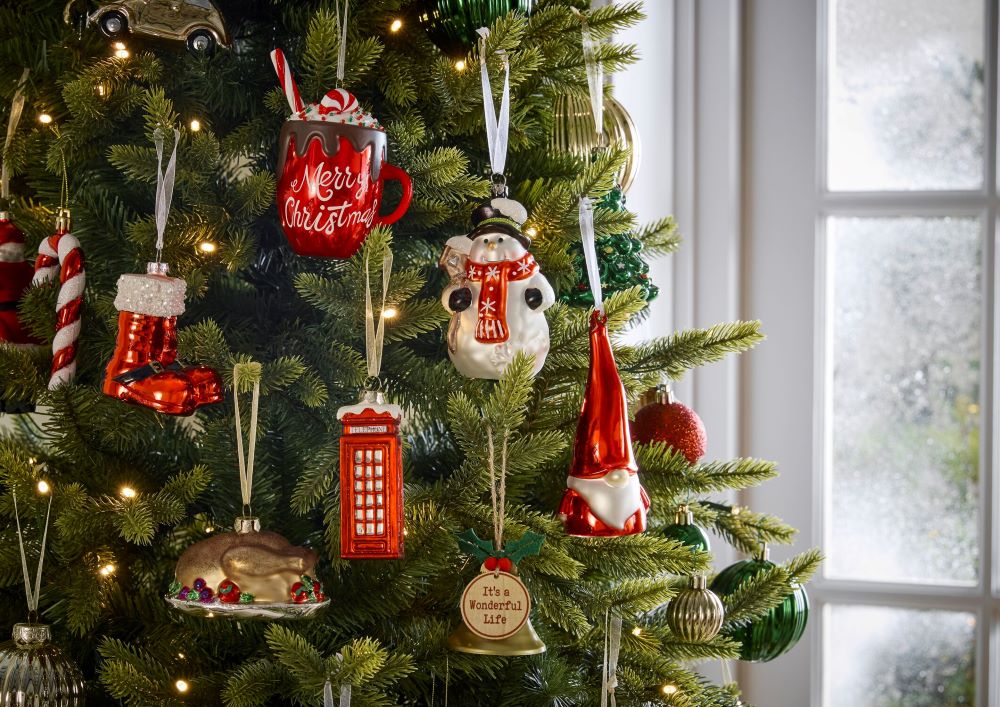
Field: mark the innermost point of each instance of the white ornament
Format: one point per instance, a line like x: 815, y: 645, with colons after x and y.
x: 152, y: 295
x: 485, y: 336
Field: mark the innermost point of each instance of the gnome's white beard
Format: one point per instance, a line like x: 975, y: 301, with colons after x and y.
x: 614, y: 505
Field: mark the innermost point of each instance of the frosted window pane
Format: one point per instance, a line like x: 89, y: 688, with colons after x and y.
x: 906, y: 379
x: 905, y: 104
x: 881, y: 657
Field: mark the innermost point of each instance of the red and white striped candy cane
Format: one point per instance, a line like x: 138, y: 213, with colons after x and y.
x: 338, y: 101
x: 60, y: 256
x: 288, y: 86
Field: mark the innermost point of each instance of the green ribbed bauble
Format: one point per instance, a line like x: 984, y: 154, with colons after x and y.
x: 684, y: 530
x: 452, y: 24
x: 777, y: 631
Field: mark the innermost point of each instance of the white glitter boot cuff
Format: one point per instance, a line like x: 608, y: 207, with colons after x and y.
x: 153, y: 295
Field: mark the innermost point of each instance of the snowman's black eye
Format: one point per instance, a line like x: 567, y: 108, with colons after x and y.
x: 500, y: 239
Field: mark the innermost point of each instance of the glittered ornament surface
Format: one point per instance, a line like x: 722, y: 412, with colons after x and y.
x: 677, y: 425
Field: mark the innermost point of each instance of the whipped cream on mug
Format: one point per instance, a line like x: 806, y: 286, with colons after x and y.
x: 338, y: 106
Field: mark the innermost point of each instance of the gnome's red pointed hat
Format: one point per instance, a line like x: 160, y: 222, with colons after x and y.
x: 602, y: 442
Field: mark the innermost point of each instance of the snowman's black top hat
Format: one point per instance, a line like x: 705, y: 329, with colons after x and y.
x: 489, y: 219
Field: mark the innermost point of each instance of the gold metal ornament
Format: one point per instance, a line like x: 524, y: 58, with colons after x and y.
x: 696, y: 614
x: 524, y: 642
x: 573, y: 132
x: 486, y: 599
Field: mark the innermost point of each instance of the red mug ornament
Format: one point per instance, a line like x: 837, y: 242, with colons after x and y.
x: 330, y: 189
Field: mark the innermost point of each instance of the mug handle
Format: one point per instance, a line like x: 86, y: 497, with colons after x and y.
x: 392, y: 172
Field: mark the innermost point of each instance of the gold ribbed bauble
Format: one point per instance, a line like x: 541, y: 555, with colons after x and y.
x: 573, y: 132
x: 696, y: 614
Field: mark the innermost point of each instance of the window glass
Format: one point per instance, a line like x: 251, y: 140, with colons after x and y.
x: 883, y: 657
x: 905, y: 94
x: 906, y: 348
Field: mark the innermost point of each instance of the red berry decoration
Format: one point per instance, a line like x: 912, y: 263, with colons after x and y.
x: 505, y: 564
x: 229, y: 593
x: 667, y: 420
x: 491, y: 563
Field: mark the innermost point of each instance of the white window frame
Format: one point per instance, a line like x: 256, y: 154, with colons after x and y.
x: 785, y: 71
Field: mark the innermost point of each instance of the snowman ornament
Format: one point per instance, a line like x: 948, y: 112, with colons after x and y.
x: 497, y: 296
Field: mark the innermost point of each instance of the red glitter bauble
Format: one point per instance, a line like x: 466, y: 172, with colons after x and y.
x: 667, y: 420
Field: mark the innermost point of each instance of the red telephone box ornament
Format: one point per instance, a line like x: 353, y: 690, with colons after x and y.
x: 371, y: 479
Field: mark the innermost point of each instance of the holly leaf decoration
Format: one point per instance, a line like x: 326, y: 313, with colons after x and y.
x: 528, y: 544
x: 472, y: 544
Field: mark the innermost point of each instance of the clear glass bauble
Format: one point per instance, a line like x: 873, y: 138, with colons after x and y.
x: 34, y: 673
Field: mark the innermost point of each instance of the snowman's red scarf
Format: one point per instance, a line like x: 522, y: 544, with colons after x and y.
x: 492, y: 327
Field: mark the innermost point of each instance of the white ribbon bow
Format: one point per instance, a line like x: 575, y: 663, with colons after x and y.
x: 589, y: 242
x: 246, y: 463
x: 16, y: 108
x: 595, y: 78
x: 345, y: 691
x: 164, y: 185
x: 375, y: 337
x: 497, y: 130
x: 609, y: 676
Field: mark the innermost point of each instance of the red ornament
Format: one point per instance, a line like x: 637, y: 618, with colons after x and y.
x: 371, y: 479
x: 491, y: 563
x: 15, y: 278
x: 331, y: 183
x: 228, y: 592
x: 144, y: 369
x: 603, y: 497
x: 300, y: 593
x: 59, y: 256
x: 667, y: 420
x: 505, y: 564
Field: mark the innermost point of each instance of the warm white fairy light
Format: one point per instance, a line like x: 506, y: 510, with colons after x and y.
x: 121, y: 51
x: 181, y: 656
x: 127, y: 492
x: 43, y: 487
x: 636, y: 631
x: 389, y: 312
x: 195, y: 125
x: 460, y: 65
x: 396, y: 25
x: 207, y: 247
x: 44, y: 118
x: 669, y: 689
x: 181, y: 686
x: 107, y: 570
x: 531, y: 231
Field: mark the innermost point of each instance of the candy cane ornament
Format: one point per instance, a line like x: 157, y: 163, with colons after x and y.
x: 288, y: 86
x: 60, y: 256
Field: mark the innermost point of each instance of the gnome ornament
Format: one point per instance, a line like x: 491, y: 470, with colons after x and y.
x: 15, y: 277
x: 497, y: 305
x: 603, y: 495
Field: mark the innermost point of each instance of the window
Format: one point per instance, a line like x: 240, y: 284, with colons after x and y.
x: 906, y: 219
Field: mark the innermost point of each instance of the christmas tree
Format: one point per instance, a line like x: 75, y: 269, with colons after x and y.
x: 133, y: 488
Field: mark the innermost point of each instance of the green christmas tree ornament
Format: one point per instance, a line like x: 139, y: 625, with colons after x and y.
x: 619, y: 259
x: 684, y: 530
x: 452, y: 24
x: 775, y: 633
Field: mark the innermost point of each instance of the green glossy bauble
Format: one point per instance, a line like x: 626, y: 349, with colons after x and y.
x: 684, y: 530
x: 452, y: 24
x: 777, y: 631
x: 691, y: 535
